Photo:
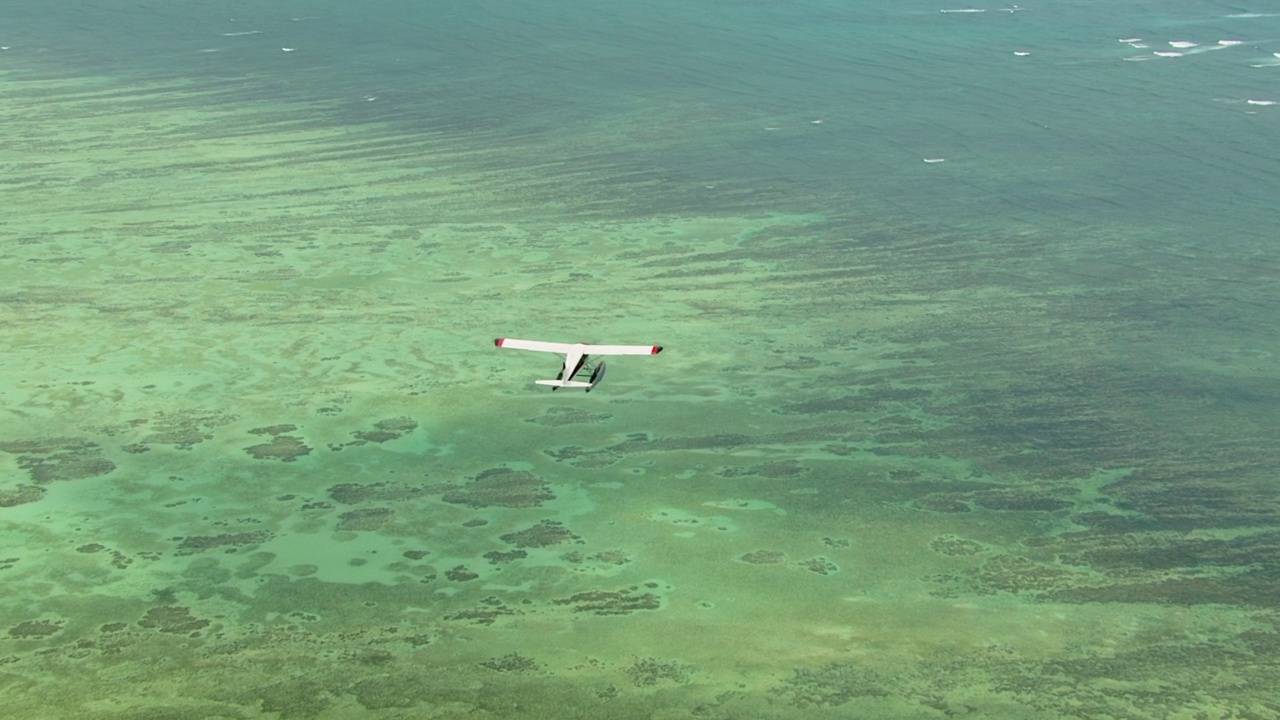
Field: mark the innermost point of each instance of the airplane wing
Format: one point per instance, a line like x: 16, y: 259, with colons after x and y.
x: 622, y: 349
x: 534, y: 345
x: 583, y: 348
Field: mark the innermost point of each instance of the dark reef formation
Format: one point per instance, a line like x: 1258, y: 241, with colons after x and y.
x: 173, y: 619
x: 819, y: 565
x: 831, y: 685
x: 228, y: 541
x: 285, y: 448
x: 612, y: 602
x: 365, y: 518
x: 544, y: 534
x: 650, y: 671
x: 560, y: 415
x: 184, y: 429
x: 511, y: 662
x: 764, y: 557
x: 56, y: 459
x: 356, y: 493
x: 501, y: 487
x: 386, y: 430
x: 35, y: 629
x: 20, y: 495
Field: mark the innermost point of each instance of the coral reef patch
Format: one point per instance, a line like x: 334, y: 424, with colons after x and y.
x: 274, y: 430
x: 500, y: 557
x: 365, y: 518
x: 292, y: 698
x: 603, y: 558
x: 20, y: 494
x: 774, y: 469
x: 35, y: 629
x: 173, y: 619
x: 285, y: 448
x: 1009, y: 499
x: 819, y: 565
x: 356, y: 493
x: 511, y: 662
x: 560, y: 415
x: 763, y: 557
x: 1013, y: 574
x: 501, y: 487
x: 612, y: 602
x: 832, y: 685
x: 460, y: 574
x: 386, y: 430
x: 956, y: 546
x: 544, y: 534
x: 184, y: 429
x: 486, y: 612
x: 650, y: 671
x: 192, y: 544
x: 55, y: 459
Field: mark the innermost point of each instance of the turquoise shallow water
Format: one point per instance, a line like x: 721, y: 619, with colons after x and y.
x: 966, y: 407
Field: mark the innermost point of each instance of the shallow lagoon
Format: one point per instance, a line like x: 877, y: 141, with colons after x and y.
x: 990, y: 436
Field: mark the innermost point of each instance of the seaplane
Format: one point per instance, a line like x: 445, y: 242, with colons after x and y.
x: 576, y: 356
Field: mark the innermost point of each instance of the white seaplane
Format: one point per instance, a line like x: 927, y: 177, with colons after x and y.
x: 575, y: 359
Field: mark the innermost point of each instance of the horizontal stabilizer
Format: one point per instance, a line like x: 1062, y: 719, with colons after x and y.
x: 564, y: 383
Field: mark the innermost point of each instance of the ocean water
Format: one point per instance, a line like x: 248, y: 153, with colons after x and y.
x: 967, y: 406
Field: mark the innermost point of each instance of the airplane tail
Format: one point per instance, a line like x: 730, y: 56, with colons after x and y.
x: 563, y: 383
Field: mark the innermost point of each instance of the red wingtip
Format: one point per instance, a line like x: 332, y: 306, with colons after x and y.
x: 656, y: 349
x: 498, y: 342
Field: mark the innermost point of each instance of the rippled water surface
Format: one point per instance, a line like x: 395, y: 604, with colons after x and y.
x: 967, y: 405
